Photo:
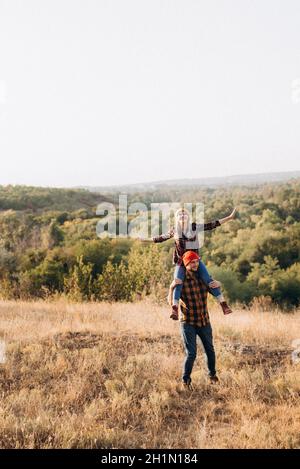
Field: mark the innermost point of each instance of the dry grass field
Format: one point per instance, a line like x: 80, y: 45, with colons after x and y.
x: 100, y: 375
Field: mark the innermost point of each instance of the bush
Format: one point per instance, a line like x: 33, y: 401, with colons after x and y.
x: 114, y: 284
x: 79, y: 283
x: 146, y: 269
x: 232, y: 287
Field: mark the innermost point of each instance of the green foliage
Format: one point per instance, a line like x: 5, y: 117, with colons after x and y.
x: 141, y: 275
x: 8, y: 261
x: 283, y: 286
x: 100, y: 251
x: 286, y: 290
x: 48, y: 242
x: 53, y: 235
x: 21, y: 197
x: 232, y: 287
x: 79, y: 283
x: 114, y: 283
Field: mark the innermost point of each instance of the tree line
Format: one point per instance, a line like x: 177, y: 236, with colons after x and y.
x: 49, y: 245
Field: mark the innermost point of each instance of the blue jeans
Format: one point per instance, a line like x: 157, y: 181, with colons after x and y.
x: 202, y: 273
x: 189, y: 335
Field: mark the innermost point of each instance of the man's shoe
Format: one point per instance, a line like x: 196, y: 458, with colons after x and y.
x: 214, y: 379
x: 174, y: 314
x: 226, y: 309
x: 187, y: 384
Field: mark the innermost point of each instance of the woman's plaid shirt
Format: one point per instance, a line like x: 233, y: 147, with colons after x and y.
x: 193, y: 301
x: 182, y: 244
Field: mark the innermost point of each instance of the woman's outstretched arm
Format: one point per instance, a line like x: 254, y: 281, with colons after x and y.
x: 163, y: 237
x: 230, y: 217
x: 158, y: 239
x: 211, y: 225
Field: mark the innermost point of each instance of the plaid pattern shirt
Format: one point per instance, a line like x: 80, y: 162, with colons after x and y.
x: 182, y: 244
x: 193, y: 301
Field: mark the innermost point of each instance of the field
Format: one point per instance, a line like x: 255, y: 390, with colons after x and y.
x: 101, y: 375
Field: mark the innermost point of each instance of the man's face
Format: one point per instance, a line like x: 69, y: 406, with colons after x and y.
x: 193, y: 265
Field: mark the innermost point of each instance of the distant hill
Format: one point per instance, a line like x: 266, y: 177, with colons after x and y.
x: 32, y: 198
x: 239, y: 179
x: 38, y: 199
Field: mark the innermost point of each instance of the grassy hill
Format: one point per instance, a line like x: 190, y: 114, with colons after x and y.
x: 108, y: 376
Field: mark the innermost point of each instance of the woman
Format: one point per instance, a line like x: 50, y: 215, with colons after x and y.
x: 185, y: 235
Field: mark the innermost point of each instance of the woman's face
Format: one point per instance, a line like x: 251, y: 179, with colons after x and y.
x: 182, y: 216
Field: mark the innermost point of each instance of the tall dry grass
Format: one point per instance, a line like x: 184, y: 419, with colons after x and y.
x: 100, y: 375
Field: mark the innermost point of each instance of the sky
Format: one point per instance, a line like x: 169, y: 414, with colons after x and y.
x: 105, y: 92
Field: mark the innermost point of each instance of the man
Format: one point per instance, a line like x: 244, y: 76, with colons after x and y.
x: 194, y: 319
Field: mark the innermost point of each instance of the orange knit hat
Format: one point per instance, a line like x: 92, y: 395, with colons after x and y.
x: 189, y: 256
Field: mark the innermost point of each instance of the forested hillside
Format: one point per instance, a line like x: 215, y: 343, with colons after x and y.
x: 49, y: 245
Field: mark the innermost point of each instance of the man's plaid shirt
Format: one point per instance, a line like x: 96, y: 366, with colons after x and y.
x: 193, y: 301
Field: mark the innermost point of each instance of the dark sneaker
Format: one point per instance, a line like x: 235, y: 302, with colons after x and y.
x: 226, y: 309
x: 214, y: 379
x: 174, y: 314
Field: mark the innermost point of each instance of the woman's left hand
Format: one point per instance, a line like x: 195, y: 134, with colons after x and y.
x: 230, y: 217
x: 214, y: 284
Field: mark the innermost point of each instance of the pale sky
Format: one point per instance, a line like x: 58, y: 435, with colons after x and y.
x: 100, y: 92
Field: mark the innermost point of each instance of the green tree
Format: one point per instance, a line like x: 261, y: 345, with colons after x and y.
x: 79, y: 283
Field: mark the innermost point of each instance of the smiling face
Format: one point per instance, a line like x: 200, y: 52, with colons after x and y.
x: 182, y: 216
x: 193, y: 265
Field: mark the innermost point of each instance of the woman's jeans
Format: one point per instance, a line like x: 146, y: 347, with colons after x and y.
x: 189, y: 335
x: 202, y: 273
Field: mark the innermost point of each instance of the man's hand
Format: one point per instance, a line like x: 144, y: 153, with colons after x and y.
x: 214, y: 284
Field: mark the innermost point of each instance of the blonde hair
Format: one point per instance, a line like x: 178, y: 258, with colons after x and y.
x: 178, y: 226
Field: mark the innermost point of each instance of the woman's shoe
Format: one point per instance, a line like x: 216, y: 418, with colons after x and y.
x: 174, y: 314
x: 226, y: 309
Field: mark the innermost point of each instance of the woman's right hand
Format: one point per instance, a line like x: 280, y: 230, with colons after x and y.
x: 142, y: 238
